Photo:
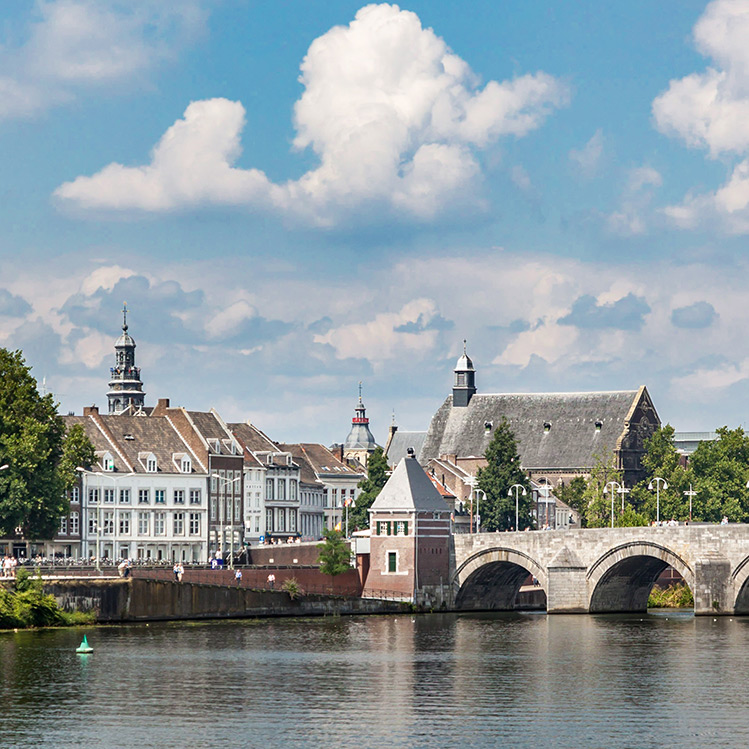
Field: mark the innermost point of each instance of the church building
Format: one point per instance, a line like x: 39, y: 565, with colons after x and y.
x: 125, y: 385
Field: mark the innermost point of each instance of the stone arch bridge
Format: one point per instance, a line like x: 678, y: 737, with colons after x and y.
x: 602, y: 570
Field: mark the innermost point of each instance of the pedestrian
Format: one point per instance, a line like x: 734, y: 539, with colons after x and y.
x: 271, y: 581
x: 180, y: 572
x: 238, y: 576
x: 122, y: 567
x: 175, y: 570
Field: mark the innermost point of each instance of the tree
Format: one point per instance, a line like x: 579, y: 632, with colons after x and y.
x: 377, y: 476
x: 661, y: 460
x: 597, y: 502
x: 720, y: 470
x: 33, y: 444
x: 573, y: 495
x: 335, y: 553
x: 502, y: 471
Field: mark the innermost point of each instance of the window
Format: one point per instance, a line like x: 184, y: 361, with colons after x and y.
x: 92, y: 525
x: 195, y: 496
x: 401, y: 528
x: 159, y: 523
x: 237, y: 509
x: 268, y: 520
x: 335, y: 498
x: 144, y: 496
x: 108, y: 463
x: 292, y: 490
x: 186, y: 465
x: 179, y: 496
x: 392, y: 561
x: 74, y: 523
x: 269, y: 488
x: 282, y: 489
x: 124, y: 523
x: 257, y: 524
x: 282, y: 519
x: 179, y: 523
x: 143, y: 523
x: 257, y: 499
x: 109, y: 496
x: 159, y: 496
x: 292, y: 521
x: 461, y: 379
x: 64, y: 525
x: 93, y: 496
x: 151, y: 464
x: 125, y: 496
x: 108, y: 529
x: 213, y: 508
x: 194, y: 523
x: 214, y: 483
x: 75, y: 494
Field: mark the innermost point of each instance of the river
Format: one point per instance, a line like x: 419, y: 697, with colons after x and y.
x: 514, y: 680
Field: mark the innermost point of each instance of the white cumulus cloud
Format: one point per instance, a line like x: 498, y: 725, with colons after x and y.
x: 393, y: 115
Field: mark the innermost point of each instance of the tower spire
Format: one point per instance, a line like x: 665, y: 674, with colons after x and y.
x: 125, y: 385
x: 124, y: 317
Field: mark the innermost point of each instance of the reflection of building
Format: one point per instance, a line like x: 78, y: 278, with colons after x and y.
x: 559, y: 435
x: 360, y: 443
x: 125, y: 385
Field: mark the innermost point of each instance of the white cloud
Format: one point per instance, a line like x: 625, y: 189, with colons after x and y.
x: 706, y: 381
x: 631, y: 218
x: 588, y: 158
x: 387, y: 335
x: 393, y: 115
x: 73, y: 44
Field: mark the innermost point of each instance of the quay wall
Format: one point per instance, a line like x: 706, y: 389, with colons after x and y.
x: 136, y: 599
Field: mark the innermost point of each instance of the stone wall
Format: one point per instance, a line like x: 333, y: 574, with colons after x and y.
x: 153, y: 600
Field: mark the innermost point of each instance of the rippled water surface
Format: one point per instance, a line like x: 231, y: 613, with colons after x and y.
x: 438, y: 681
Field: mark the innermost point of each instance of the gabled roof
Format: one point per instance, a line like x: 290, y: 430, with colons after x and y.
x: 399, y: 443
x: 254, y: 439
x: 322, y: 460
x: 553, y: 430
x: 409, y: 488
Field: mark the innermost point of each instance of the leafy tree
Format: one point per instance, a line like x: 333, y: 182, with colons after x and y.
x: 335, y: 553
x: 33, y: 444
x: 573, y: 494
x: 497, y: 509
x: 377, y: 476
x: 598, y: 503
x: 77, y: 450
x: 721, y: 470
x: 661, y: 460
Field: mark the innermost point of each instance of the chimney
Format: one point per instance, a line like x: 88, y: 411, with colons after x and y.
x: 161, y: 407
x: 90, y: 411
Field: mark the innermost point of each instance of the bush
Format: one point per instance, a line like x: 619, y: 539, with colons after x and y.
x: 291, y: 586
x: 676, y: 596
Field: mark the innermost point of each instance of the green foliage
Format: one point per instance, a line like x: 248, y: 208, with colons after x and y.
x: 77, y: 450
x: 32, y: 443
x: 573, y: 495
x: 597, y: 502
x: 676, y: 596
x: 502, y: 471
x: 335, y: 554
x: 377, y: 476
x: 28, y: 606
x: 720, y: 470
x: 292, y: 587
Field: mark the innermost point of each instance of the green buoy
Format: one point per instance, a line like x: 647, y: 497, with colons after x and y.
x: 84, y: 647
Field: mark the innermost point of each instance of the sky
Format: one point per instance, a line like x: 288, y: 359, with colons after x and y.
x: 293, y: 197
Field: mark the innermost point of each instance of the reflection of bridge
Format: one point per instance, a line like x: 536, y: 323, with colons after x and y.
x: 604, y: 570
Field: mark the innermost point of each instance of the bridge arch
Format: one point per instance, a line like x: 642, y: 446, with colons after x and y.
x: 740, y: 579
x: 491, y: 578
x: 621, y: 579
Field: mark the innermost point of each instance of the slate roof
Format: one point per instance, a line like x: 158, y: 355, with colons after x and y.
x: 252, y: 438
x: 397, y: 448
x: 321, y: 459
x: 572, y: 438
x: 409, y: 488
x: 208, y: 425
x: 307, y: 473
x: 125, y: 437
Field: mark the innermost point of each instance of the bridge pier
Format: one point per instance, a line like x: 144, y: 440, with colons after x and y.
x: 712, y: 588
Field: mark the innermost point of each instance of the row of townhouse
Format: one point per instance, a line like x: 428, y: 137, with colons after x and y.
x: 173, y: 484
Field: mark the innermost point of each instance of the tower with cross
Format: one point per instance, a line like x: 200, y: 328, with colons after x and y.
x: 125, y: 385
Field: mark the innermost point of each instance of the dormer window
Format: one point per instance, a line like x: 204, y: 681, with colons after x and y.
x: 547, y: 426
x: 599, y: 425
x: 107, y: 462
x: 149, y: 462
x: 215, y: 445
x: 487, y: 426
x: 186, y: 465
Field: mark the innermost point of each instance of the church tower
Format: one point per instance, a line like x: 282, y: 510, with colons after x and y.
x: 125, y: 385
x: 360, y: 443
x: 464, y: 387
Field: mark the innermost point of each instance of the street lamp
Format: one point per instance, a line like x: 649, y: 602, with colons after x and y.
x: 114, y: 480
x: 2, y: 468
x: 619, y: 490
x: 658, y: 481
x: 222, y: 511
x: 478, y: 491
x: 691, y: 493
x: 517, y: 488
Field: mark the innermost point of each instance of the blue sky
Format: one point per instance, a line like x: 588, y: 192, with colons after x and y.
x: 295, y: 196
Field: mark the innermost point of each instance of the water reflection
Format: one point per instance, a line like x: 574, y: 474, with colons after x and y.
x: 440, y: 680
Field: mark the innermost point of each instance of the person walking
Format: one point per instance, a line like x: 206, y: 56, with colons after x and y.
x: 271, y: 581
x: 180, y: 572
x: 238, y: 576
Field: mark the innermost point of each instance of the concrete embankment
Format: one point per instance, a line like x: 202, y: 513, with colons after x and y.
x: 155, y: 600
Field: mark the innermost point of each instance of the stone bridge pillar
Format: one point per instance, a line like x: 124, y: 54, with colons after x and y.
x: 567, y: 588
x: 712, y: 585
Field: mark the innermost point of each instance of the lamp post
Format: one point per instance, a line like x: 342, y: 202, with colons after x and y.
x: 222, y: 511
x: 619, y: 488
x: 478, y: 491
x: 517, y: 488
x: 470, y: 481
x: 658, y: 481
x: 691, y: 493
